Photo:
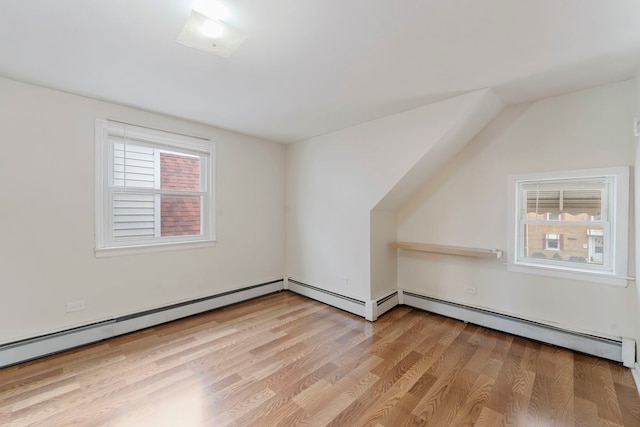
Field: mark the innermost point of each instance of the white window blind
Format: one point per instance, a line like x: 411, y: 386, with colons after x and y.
x: 134, y: 166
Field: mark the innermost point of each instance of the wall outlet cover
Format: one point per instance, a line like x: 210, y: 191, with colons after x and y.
x: 471, y: 290
x: 75, y: 306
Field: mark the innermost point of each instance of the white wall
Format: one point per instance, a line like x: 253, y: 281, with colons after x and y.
x: 47, y: 218
x: 384, y: 261
x: 636, y: 188
x: 335, y: 180
x: 466, y: 205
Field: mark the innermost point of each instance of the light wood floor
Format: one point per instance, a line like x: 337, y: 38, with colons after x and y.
x: 287, y: 360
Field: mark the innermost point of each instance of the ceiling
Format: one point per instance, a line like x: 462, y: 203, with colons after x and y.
x: 313, y: 66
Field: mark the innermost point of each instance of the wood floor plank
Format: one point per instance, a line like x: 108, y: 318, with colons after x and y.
x: 473, y: 402
x: 629, y: 405
x: 285, y: 360
x: 563, y: 386
x: 331, y: 405
x: 5, y: 417
x: 516, y: 411
x: 397, y: 350
x: 298, y: 417
x: 592, y: 371
x: 541, y: 406
x: 46, y: 392
x: 118, y: 395
x: 586, y: 412
x: 447, y: 371
x: 362, y: 404
x: 382, y: 411
x: 338, y: 391
x: 489, y: 418
x: 280, y: 406
x: 10, y: 391
x: 509, y: 378
x: 620, y: 375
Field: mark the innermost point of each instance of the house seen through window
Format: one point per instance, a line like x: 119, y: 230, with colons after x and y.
x: 560, y: 224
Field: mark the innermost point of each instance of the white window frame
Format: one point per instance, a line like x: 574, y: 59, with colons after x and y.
x: 615, y: 207
x: 106, y: 244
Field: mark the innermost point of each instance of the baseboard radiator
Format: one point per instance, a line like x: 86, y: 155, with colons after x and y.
x: 33, y: 348
x: 386, y: 303
x: 352, y: 305
x: 622, y: 350
x: 370, y: 310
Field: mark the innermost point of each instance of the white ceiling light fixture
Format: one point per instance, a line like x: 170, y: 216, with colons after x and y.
x: 212, y: 29
x: 212, y: 8
x: 208, y: 32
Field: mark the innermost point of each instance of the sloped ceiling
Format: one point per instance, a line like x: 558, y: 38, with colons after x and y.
x: 472, y: 112
x: 314, y: 66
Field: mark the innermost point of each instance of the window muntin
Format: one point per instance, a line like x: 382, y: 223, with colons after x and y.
x: 153, y: 188
x: 571, y: 224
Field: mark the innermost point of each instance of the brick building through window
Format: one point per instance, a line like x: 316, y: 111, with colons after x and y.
x: 180, y: 215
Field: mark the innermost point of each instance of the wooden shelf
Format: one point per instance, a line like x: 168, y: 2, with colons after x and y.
x: 450, y: 250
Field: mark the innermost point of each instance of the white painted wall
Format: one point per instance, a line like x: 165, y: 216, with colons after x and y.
x: 465, y: 204
x: 334, y: 181
x: 384, y: 261
x: 47, y: 218
x: 636, y: 189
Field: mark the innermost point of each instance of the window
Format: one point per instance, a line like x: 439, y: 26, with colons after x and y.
x: 552, y: 242
x: 571, y: 224
x: 154, y: 190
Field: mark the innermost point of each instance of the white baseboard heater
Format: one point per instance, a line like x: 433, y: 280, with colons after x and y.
x: 622, y: 350
x: 352, y: 305
x: 33, y: 348
x: 370, y: 310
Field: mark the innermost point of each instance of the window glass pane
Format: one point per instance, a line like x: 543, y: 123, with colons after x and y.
x: 564, y: 205
x: 571, y: 243
x: 179, y: 171
x: 180, y: 215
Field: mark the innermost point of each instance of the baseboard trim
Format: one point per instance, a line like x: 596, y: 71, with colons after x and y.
x: 602, y: 347
x: 36, y: 347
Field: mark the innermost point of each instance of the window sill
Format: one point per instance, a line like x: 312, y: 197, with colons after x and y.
x: 145, y: 249
x: 584, y: 276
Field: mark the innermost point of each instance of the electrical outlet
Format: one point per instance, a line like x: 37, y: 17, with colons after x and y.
x: 471, y: 290
x: 75, y: 306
